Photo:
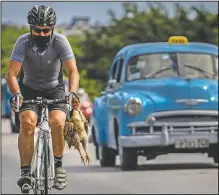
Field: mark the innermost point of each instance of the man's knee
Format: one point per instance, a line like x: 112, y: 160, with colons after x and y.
x: 57, y: 119
x: 28, y: 120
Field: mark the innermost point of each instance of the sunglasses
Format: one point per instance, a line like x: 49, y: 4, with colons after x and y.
x: 38, y: 30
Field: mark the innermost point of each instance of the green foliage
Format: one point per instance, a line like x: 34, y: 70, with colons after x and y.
x: 92, y: 86
x: 9, y: 37
x: 96, y: 50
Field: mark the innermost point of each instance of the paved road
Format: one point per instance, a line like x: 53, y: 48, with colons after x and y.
x: 168, y: 174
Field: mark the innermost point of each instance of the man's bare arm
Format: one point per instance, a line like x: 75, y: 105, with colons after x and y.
x: 73, y: 75
x: 11, y: 76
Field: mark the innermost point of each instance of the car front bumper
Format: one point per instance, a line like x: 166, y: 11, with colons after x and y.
x: 163, y: 139
x: 162, y: 133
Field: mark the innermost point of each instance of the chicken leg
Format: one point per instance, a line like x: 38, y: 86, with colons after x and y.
x: 87, y: 157
x: 82, y: 158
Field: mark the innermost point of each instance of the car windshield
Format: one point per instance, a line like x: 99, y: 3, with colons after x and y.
x: 161, y: 65
x: 199, y: 65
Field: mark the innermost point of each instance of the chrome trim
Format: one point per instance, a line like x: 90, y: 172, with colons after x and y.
x: 182, y: 112
x: 178, y: 131
x: 178, y: 124
x: 191, y: 102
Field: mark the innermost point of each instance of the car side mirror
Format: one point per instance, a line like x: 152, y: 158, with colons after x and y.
x: 112, y: 83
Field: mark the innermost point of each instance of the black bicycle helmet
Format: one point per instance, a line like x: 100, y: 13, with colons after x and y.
x: 41, y: 15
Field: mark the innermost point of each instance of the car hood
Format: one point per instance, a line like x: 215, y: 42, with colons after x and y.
x: 204, y: 89
x: 165, y: 93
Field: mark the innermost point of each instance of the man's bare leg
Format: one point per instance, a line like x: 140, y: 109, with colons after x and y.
x: 57, y: 123
x: 28, y: 120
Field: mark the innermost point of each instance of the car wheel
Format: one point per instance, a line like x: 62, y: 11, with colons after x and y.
x: 12, y: 122
x: 215, y: 158
x: 15, y: 123
x: 214, y: 152
x: 13, y: 128
x: 107, y: 157
x: 97, y: 152
x: 128, y: 158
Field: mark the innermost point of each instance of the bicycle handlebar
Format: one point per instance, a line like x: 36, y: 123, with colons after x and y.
x: 45, y: 101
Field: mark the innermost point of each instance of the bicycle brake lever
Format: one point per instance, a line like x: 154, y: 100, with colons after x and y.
x: 17, y: 103
x: 70, y: 101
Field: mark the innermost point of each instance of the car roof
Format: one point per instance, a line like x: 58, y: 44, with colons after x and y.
x: 158, y: 47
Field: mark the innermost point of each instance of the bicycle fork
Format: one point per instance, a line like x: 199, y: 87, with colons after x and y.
x: 37, y: 166
x: 50, y: 161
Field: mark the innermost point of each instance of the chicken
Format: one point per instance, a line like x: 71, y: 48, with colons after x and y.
x: 76, y: 133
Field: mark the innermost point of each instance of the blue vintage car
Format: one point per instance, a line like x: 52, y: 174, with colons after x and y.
x: 160, y: 98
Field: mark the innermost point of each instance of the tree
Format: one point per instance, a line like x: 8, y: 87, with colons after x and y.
x: 152, y: 25
x: 9, y: 36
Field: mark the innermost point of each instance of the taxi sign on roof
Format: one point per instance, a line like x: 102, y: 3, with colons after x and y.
x: 178, y: 40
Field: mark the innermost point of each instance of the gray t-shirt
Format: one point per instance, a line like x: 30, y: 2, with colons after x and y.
x: 41, y: 70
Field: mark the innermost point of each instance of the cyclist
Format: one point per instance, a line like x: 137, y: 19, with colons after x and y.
x: 40, y: 55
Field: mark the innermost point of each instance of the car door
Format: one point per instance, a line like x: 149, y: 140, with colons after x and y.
x: 113, y: 102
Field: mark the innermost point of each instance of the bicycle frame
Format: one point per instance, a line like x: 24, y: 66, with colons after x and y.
x: 42, y: 129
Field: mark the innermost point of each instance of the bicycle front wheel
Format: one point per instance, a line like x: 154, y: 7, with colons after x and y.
x: 45, y: 148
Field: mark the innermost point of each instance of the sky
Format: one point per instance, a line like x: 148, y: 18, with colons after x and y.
x: 16, y: 12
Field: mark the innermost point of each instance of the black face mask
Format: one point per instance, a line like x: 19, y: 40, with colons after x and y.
x: 41, y: 41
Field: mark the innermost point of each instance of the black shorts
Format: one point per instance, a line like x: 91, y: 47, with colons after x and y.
x: 56, y: 93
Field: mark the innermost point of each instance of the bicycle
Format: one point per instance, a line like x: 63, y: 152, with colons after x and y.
x: 42, y: 164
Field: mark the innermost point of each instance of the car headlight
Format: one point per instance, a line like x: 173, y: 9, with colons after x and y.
x: 133, y: 106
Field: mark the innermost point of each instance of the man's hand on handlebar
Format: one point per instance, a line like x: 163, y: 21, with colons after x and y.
x: 71, y: 96
x: 16, y: 101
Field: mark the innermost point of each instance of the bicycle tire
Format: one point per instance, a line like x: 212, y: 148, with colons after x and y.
x: 45, y: 163
x: 34, y: 163
x: 39, y: 154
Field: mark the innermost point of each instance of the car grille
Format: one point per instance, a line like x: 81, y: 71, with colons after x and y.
x: 177, y: 130
x: 186, y: 118
x: 179, y: 124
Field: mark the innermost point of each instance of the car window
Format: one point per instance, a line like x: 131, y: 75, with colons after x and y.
x: 119, y: 70
x: 140, y: 66
x: 113, y: 70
